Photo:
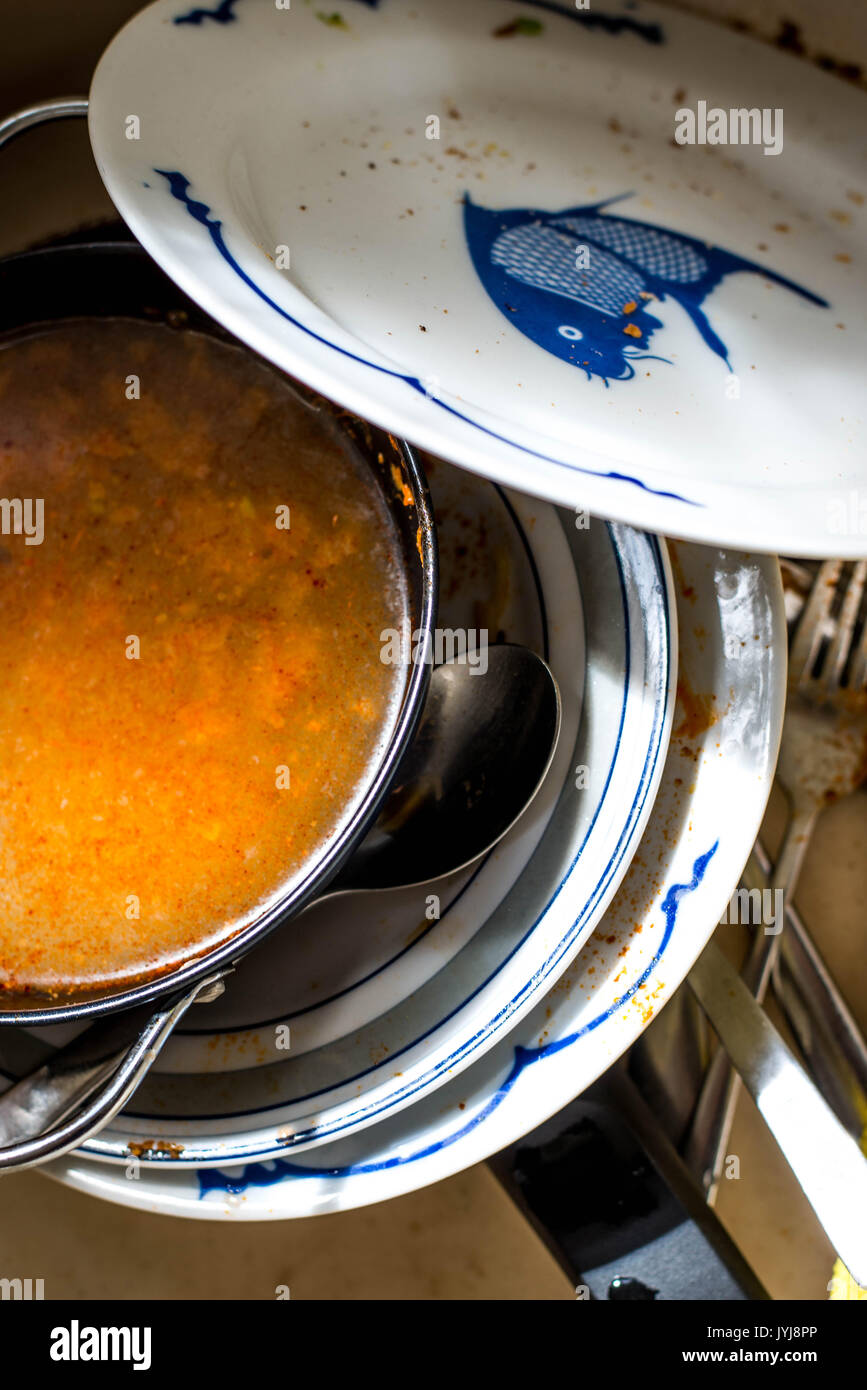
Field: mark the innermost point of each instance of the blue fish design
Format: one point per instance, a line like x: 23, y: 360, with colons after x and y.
x: 580, y: 283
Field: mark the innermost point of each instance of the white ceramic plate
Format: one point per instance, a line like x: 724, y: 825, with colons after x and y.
x: 716, y: 781
x: 382, y: 1004
x: 483, y: 292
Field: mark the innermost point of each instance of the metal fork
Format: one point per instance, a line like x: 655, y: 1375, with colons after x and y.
x: 822, y: 758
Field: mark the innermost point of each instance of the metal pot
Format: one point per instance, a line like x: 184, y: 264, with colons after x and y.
x: 117, y: 279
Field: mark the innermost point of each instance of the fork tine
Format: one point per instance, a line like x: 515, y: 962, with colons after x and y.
x: 858, y: 677
x: 813, y: 623
x: 841, y: 643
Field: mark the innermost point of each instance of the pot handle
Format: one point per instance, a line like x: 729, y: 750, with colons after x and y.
x: 83, y: 1085
x: 60, y: 109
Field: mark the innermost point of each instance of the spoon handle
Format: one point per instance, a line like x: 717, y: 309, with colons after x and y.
x: 826, y: 1161
x: 83, y: 1085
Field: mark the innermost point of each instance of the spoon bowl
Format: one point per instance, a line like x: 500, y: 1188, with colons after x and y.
x: 484, y: 745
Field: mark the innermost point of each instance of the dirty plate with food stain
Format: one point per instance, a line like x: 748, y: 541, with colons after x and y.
x: 609, y: 255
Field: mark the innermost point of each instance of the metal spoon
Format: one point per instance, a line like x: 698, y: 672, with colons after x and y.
x: 483, y: 747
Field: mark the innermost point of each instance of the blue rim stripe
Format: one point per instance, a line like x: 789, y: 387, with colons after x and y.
x: 223, y: 12
x: 280, y: 1169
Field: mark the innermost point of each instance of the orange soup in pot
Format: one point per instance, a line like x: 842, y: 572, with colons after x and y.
x: 194, y: 577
